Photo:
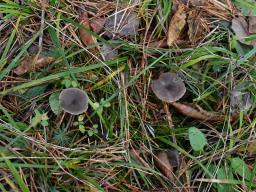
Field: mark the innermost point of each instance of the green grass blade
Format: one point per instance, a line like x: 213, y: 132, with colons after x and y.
x: 16, y: 175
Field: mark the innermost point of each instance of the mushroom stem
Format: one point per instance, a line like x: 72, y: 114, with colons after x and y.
x: 169, y: 119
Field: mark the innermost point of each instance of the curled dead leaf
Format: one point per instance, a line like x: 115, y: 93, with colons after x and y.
x: 198, y: 112
x: 177, y: 25
x: 86, y: 38
x: 166, y: 161
x: 31, y: 63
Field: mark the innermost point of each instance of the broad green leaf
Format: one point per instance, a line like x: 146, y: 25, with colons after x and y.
x: 239, y: 167
x: 197, y: 139
x: 54, y: 103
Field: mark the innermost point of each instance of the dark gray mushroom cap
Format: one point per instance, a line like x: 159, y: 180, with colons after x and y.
x: 73, y: 101
x: 169, y: 87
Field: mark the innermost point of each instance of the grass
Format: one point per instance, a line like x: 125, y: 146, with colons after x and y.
x: 42, y: 151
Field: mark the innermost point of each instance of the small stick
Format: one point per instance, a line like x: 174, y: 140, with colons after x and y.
x: 169, y: 119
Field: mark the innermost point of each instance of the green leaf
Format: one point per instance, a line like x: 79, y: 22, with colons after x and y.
x: 81, y: 128
x: 90, y: 133
x: 36, y: 119
x: 197, y: 139
x: 44, y: 123
x: 54, y: 103
x: 240, y: 167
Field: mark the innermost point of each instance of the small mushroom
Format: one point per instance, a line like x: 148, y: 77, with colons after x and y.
x: 169, y: 87
x: 73, y: 101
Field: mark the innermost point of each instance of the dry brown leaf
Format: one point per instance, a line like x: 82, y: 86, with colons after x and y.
x: 98, y: 24
x: 252, y: 24
x: 86, y: 38
x: 197, y: 113
x: 177, y: 25
x: 32, y: 62
x: 241, y: 29
x: 166, y: 161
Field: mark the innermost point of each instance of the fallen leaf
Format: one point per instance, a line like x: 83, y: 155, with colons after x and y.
x: 197, y: 139
x: 177, y: 25
x: 122, y: 23
x: 240, y: 27
x: 108, y: 52
x: 86, y: 38
x: 198, y: 112
x: 240, y: 101
x: 240, y: 167
x: 31, y: 63
x: 252, y: 24
x: 166, y: 161
x: 98, y: 24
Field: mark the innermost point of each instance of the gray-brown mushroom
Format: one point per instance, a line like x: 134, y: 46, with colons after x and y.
x: 73, y: 101
x: 169, y: 87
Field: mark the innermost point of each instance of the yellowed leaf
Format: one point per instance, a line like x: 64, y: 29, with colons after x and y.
x: 177, y: 25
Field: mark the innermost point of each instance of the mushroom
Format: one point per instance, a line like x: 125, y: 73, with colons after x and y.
x: 169, y: 87
x: 73, y: 101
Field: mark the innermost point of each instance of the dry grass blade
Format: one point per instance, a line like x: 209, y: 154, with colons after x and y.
x: 197, y: 26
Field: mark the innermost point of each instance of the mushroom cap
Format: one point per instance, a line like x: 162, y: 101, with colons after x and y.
x: 73, y: 101
x: 169, y: 87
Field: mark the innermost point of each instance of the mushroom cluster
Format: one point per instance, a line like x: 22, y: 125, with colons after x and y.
x: 73, y: 101
x: 169, y: 87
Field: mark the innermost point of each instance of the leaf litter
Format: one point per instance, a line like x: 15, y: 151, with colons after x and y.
x: 241, y: 29
x: 33, y: 62
x: 123, y: 23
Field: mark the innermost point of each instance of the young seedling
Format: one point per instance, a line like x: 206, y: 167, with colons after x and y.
x: 169, y: 88
x: 73, y: 101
